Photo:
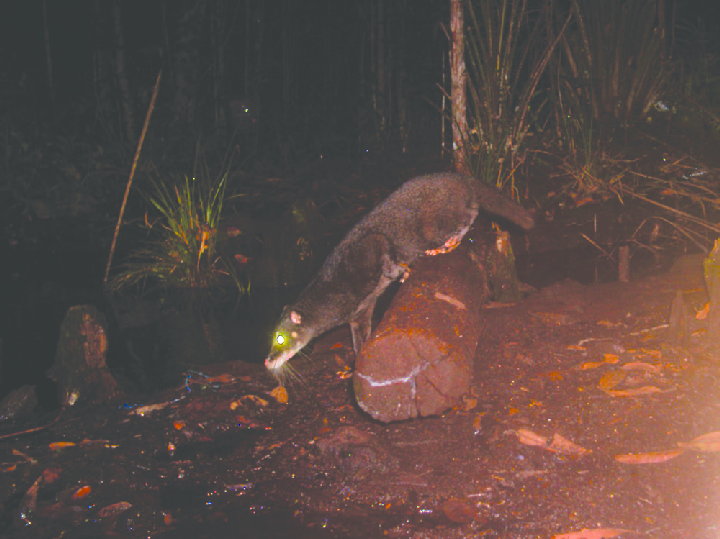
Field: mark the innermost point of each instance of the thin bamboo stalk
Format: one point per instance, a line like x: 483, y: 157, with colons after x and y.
x: 130, y: 179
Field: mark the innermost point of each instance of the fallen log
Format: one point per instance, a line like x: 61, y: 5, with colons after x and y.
x: 419, y: 361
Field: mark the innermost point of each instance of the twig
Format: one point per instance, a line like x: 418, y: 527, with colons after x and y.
x: 600, y: 248
x: 11, y: 435
x: 685, y: 233
x: 130, y: 179
x: 696, y: 220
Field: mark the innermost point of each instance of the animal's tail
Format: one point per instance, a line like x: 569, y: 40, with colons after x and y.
x: 495, y: 202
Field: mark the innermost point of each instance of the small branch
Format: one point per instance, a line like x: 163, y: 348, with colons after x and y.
x: 603, y: 251
x: 130, y: 179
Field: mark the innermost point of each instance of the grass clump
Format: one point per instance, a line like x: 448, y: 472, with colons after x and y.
x: 183, y: 253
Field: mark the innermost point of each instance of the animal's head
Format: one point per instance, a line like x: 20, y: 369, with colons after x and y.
x: 291, y: 334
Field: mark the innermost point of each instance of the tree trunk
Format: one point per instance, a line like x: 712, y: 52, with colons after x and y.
x: 403, y: 122
x: 457, y: 93
x: 121, y: 74
x: 186, y: 31
x: 218, y: 17
x: 48, y: 56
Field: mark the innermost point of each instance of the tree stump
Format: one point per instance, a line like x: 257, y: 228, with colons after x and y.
x: 80, y: 369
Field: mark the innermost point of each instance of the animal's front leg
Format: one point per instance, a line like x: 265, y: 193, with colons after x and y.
x: 361, y: 327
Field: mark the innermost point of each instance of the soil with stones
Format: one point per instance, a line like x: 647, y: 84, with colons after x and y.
x: 579, y: 408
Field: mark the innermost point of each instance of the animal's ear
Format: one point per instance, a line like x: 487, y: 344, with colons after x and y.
x: 295, y: 317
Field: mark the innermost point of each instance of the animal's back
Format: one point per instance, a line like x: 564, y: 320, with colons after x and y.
x: 421, y: 215
x: 424, y: 213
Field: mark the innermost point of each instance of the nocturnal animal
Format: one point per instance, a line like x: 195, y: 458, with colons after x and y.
x: 427, y: 215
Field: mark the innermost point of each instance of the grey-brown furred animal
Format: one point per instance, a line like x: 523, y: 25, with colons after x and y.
x: 426, y: 215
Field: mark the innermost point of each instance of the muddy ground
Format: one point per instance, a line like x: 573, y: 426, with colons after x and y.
x: 579, y: 402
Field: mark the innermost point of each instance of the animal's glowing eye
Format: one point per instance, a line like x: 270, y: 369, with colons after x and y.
x: 279, y: 339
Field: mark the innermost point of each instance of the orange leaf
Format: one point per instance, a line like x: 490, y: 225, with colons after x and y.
x: 280, y: 394
x: 701, y: 314
x: 81, y: 492
x: 60, y: 445
x: 610, y: 379
x: 591, y: 365
x: 257, y: 400
x: 653, y: 457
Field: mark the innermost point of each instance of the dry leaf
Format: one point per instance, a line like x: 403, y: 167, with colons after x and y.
x: 23, y: 455
x: 142, y: 410
x: 610, y: 379
x: 528, y: 437
x: 609, y: 324
x: 50, y: 475
x: 59, y: 445
x: 591, y: 365
x: 459, y: 511
x: 222, y: 379
x: 597, y: 533
x: 654, y: 457
x: 611, y: 358
x: 114, y: 509
x: 575, y: 347
x: 563, y: 445
x: 280, y: 394
x: 707, y: 443
x: 635, y: 392
x: 701, y: 314
x: 257, y: 400
x: 81, y: 492
x: 470, y: 404
x: 642, y: 366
